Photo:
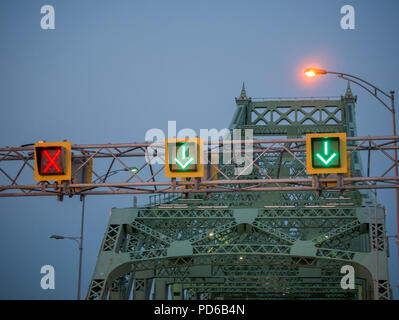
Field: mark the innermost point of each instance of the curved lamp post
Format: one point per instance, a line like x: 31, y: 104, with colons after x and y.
x: 374, y: 91
x: 79, y: 241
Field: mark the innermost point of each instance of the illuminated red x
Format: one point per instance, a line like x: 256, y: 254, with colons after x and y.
x: 51, y: 161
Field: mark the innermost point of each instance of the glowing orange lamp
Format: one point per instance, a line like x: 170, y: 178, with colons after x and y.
x: 311, y: 72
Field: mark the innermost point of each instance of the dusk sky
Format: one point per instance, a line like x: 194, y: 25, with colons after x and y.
x: 111, y: 70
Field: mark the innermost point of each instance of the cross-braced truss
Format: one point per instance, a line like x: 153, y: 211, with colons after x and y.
x: 271, y: 233
x: 271, y: 160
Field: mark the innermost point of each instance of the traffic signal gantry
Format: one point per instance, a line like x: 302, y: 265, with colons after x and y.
x: 325, y: 153
x: 271, y: 223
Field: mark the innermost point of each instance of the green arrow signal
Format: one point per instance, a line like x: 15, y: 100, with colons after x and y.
x: 326, y: 162
x: 183, y: 166
x: 183, y: 156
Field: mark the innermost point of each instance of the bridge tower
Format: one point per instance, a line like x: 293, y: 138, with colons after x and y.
x: 253, y: 245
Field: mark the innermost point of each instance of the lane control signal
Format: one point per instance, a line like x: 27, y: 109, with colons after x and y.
x: 53, y: 161
x: 184, y: 158
x: 326, y: 153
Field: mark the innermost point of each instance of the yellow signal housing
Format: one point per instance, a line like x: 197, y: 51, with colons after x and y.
x: 184, y: 158
x: 87, y: 177
x: 348, y: 174
x: 53, y: 161
x: 326, y: 153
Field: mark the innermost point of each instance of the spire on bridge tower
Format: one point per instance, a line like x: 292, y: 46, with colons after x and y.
x: 243, y: 96
x: 348, y: 93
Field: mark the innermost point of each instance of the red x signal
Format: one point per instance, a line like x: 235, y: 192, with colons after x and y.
x: 51, y: 161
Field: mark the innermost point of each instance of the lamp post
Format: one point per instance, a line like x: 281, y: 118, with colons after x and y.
x: 133, y: 170
x: 374, y: 91
x: 79, y: 241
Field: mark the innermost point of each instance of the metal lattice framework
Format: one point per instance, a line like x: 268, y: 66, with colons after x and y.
x: 219, y: 239
x: 278, y: 165
x: 275, y: 233
x: 276, y: 117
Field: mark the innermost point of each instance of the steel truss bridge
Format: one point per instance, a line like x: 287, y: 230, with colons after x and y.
x: 276, y: 233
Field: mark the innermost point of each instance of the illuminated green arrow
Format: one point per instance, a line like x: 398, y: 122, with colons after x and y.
x: 183, y: 156
x: 326, y: 162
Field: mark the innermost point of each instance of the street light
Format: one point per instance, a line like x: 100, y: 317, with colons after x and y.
x: 79, y: 241
x: 374, y: 91
x: 311, y: 72
x: 57, y: 237
x: 133, y: 170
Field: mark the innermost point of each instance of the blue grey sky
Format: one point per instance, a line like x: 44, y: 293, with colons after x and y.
x: 111, y: 70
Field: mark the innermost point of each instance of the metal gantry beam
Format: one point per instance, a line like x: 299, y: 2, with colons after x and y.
x: 112, y: 162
